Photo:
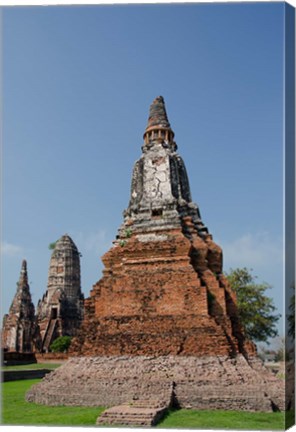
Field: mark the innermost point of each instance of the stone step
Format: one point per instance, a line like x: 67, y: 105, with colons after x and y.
x: 129, y: 412
x: 126, y: 420
x: 136, y: 413
x: 146, y: 404
x: 120, y: 418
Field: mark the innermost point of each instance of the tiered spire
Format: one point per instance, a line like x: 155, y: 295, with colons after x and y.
x: 158, y: 127
x: 160, y: 191
x: 60, y: 310
x: 157, y: 114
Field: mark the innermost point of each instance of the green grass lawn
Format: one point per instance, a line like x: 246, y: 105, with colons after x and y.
x: 16, y: 411
x: 31, y: 366
x: 222, y: 420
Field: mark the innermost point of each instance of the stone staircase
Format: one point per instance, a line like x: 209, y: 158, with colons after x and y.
x: 137, y: 413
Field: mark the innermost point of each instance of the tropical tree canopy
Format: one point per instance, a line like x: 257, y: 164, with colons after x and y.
x: 256, y: 310
x: 61, y: 344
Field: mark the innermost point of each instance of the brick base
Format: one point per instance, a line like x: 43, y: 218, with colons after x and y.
x: 216, y: 382
x: 161, y: 296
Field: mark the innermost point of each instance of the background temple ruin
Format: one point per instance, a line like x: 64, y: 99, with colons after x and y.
x: 59, y: 312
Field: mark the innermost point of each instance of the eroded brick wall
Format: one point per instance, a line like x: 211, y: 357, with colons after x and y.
x: 215, y: 382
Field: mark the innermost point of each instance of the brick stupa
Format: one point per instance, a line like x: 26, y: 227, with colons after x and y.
x: 163, y: 291
x: 161, y: 327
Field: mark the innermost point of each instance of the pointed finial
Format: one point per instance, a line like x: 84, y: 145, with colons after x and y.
x: 24, y: 266
x: 23, y: 275
x: 157, y: 114
x: 158, y: 127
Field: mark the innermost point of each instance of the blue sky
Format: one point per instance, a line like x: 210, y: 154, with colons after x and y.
x: 77, y: 85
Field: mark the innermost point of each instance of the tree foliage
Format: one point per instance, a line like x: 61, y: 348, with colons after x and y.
x: 51, y: 246
x: 61, y: 344
x: 256, y: 310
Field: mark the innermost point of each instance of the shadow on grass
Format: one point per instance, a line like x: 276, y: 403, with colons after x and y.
x: 32, y: 366
x: 290, y: 419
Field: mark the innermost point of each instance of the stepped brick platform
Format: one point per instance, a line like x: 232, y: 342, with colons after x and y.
x: 136, y: 413
x: 216, y: 382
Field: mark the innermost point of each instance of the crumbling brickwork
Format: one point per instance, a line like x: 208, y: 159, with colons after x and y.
x: 212, y: 382
x: 163, y: 290
x: 163, y: 321
x: 20, y: 330
x: 60, y: 311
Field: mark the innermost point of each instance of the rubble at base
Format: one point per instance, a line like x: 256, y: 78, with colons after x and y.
x: 216, y: 382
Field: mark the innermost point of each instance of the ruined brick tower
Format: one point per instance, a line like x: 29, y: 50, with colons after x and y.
x: 162, y: 291
x: 60, y: 311
x: 19, y: 330
x: 161, y: 326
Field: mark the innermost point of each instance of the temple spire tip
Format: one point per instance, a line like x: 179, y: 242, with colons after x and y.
x: 24, y: 265
x: 23, y: 280
x: 158, y: 126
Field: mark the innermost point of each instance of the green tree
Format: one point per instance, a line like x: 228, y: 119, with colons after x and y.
x: 61, y: 344
x: 256, y: 310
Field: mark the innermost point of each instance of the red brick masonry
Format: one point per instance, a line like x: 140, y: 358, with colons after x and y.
x: 160, y: 297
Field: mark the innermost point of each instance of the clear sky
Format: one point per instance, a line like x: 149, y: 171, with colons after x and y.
x: 77, y: 85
